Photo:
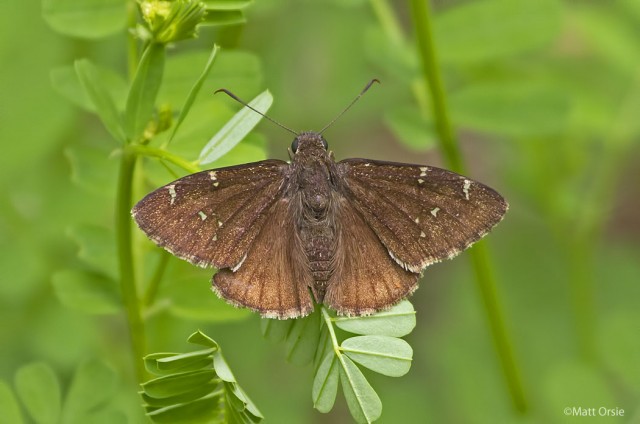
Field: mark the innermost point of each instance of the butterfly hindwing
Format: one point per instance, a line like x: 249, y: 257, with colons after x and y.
x: 274, y: 277
x: 365, y: 279
x: 212, y: 217
x: 421, y: 214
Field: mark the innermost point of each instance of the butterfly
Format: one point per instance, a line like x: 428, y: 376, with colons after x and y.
x: 354, y: 235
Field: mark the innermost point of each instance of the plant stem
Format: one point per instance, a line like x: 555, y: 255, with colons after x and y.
x: 480, y: 257
x: 144, y: 150
x: 125, y: 258
x: 388, y: 21
x: 132, y: 42
x: 328, y: 322
x: 426, y: 48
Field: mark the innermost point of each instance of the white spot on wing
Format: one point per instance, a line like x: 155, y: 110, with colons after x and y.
x: 402, y: 264
x: 435, y: 211
x: 420, y: 181
x: 422, y: 234
x: 237, y: 267
x: 216, y: 184
x: 423, y: 171
x: 219, y: 223
x: 212, y: 175
x: 417, y: 220
x: 203, y: 215
x: 172, y: 192
x: 215, y: 237
x: 465, y: 188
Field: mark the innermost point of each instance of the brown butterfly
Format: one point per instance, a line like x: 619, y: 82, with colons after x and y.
x: 354, y: 235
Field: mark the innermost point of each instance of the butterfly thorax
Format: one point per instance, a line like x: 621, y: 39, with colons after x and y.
x: 313, y: 190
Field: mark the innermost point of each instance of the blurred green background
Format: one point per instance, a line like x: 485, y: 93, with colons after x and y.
x: 545, y: 99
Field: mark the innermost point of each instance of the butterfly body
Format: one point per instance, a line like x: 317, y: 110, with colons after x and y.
x: 356, y: 233
x: 313, y: 186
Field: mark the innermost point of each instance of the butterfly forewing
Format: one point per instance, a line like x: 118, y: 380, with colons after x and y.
x: 421, y: 214
x: 274, y: 278
x: 211, y: 218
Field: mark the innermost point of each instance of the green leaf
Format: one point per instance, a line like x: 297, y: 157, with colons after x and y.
x: 411, y: 128
x: 170, y: 363
x: 66, y: 82
x: 325, y: 345
x: 491, y: 29
x: 222, y: 368
x: 364, y: 403
x: 9, y: 405
x: 96, y: 247
x: 383, y: 354
x: 236, y: 129
x: 395, y: 322
x: 175, y: 384
x: 325, y: 383
x: 302, y: 339
x: 86, y: 292
x: 515, y: 109
x: 144, y: 89
x: 193, y: 93
x: 226, y: 4
x: 95, y: 89
x: 39, y: 391
x: 93, y: 384
x: 202, y: 339
x: 85, y: 18
x: 194, y: 393
x: 223, y: 17
x: 255, y: 414
x: 245, y: 405
x: 195, y: 396
x: 182, y: 360
x: 203, y: 410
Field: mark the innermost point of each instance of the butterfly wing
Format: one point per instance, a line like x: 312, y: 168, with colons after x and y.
x: 365, y: 279
x: 421, y: 214
x: 211, y: 218
x: 274, y: 279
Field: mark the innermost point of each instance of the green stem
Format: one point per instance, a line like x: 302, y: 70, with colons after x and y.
x: 144, y: 150
x: 125, y: 257
x: 329, y: 323
x: 422, y: 21
x: 486, y: 282
x: 132, y: 42
x: 480, y: 257
x: 388, y: 21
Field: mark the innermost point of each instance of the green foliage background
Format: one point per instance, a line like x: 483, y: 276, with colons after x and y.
x: 544, y: 97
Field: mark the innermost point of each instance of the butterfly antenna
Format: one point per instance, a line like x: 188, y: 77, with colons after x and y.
x: 364, y: 90
x: 242, y: 102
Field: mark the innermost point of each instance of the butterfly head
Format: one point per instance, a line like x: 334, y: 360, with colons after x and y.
x: 308, y: 141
